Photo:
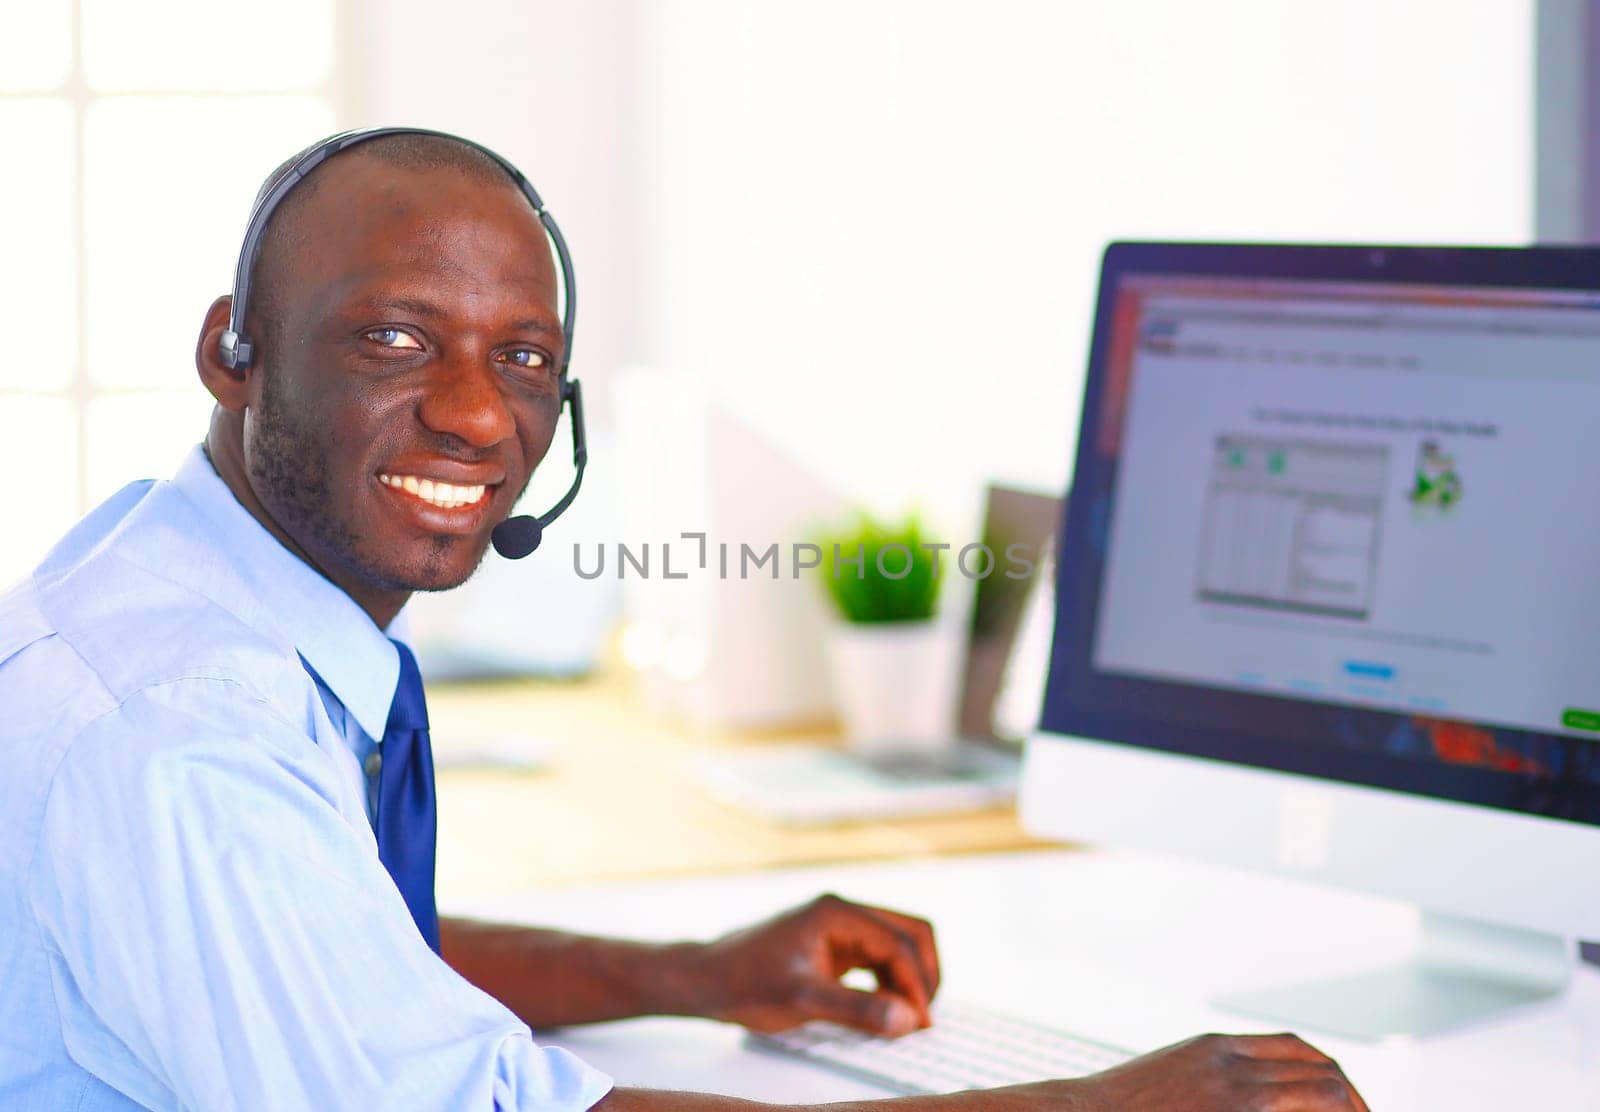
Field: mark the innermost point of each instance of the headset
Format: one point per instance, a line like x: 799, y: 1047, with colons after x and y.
x: 515, y: 537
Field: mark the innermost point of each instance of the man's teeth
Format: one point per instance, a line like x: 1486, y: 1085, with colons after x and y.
x: 447, y: 496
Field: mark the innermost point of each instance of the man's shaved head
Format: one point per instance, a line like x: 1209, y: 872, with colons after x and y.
x: 285, y: 231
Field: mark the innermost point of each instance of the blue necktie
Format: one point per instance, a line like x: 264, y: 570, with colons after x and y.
x: 407, y: 823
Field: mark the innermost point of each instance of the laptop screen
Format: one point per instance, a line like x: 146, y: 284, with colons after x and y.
x: 1348, y: 526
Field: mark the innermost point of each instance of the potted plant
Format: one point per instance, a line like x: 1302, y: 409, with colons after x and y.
x: 892, y: 663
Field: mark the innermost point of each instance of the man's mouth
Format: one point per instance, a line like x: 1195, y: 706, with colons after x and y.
x: 446, y: 496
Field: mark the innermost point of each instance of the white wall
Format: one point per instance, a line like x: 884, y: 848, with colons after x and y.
x: 876, y: 225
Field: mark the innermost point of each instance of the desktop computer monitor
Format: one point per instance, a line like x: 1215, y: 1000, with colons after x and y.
x: 1328, y: 599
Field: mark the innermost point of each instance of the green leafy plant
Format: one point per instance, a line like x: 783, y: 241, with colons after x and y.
x: 880, y: 572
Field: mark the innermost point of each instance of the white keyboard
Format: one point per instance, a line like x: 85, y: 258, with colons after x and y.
x: 966, y: 1048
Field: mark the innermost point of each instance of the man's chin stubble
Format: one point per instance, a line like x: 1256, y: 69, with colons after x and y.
x: 437, y: 575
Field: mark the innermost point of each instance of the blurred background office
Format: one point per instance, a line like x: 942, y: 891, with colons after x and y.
x: 830, y: 255
x: 875, y: 227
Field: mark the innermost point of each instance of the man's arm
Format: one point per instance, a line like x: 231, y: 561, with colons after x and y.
x: 1213, y: 1073
x: 768, y: 977
x: 220, y: 936
x: 785, y: 971
x: 555, y: 979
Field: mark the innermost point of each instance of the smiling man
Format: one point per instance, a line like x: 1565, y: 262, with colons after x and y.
x: 216, y: 823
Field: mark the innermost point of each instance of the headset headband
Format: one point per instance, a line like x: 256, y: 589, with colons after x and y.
x: 238, y: 350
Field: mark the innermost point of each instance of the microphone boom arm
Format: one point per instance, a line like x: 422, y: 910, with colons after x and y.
x: 516, y: 537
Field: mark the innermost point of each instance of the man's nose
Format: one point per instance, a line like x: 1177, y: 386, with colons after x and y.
x: 464, y: 400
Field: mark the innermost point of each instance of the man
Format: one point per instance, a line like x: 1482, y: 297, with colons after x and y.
x: 202, y: 710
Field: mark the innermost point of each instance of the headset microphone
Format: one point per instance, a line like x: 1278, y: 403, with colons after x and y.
x: 515, y: 537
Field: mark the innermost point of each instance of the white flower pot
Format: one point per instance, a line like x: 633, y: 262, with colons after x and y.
x: 895, y: 684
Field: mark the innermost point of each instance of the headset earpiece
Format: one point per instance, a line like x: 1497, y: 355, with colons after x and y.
x: 234, y: 350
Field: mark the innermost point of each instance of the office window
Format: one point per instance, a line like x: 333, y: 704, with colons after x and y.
x: 131, y: 171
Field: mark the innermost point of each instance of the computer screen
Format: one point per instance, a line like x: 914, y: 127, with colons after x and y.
x: 1336, y: 511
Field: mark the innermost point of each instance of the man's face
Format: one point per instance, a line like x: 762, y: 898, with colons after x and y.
x: 409, y: 386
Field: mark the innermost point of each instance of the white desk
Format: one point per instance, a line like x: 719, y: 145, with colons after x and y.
x: 1121, y: 947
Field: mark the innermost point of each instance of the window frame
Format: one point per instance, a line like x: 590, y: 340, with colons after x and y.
x: 336, y: 88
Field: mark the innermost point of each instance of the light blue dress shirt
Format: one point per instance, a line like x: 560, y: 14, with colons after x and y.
x: 192, y: 910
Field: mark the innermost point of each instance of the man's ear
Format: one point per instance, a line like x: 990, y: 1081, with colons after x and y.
x: 232, y: 388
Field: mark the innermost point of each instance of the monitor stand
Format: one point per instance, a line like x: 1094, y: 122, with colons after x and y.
x: 1463, y: 971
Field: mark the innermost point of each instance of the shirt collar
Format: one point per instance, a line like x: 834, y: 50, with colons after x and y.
x: 351, y: 655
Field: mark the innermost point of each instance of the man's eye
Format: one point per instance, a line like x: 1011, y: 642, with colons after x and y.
x: 527, y: 357
x: 393, y: 338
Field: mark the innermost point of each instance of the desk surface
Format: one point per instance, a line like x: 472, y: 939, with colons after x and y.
x: 1121, y: 947
x: 617, y: 802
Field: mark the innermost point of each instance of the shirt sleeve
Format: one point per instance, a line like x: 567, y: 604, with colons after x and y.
x: 221, y: 938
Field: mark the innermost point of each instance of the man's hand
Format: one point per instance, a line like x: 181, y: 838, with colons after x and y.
x: 785, y: 971
x: 768, y: 977
x: 1212, y: 1073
